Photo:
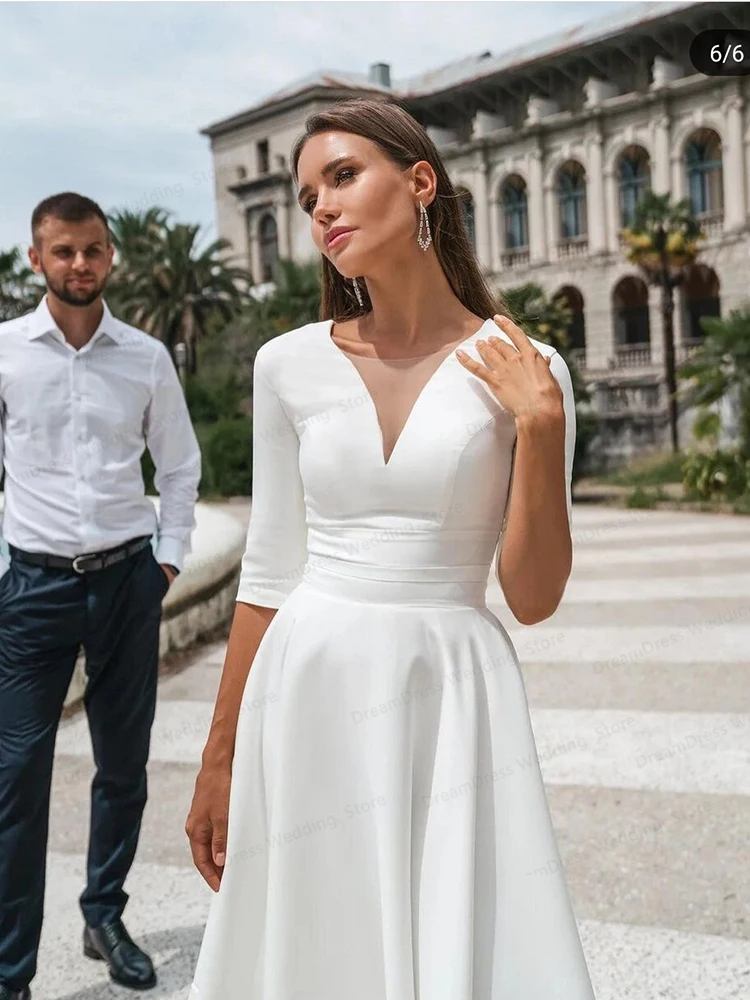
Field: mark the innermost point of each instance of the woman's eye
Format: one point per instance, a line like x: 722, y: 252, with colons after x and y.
x: 346, y: 170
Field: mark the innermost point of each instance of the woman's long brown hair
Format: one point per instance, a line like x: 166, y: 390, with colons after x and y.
x: 405, y: 142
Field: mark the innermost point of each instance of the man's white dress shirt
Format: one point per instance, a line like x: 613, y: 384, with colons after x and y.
x: 73, y: 427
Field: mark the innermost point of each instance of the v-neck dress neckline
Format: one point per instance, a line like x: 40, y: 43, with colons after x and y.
x: 436, y: 376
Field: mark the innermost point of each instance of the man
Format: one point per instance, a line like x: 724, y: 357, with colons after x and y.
x: 81, y: 395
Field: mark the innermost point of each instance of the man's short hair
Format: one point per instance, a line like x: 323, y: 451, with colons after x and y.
x: 68, y: 207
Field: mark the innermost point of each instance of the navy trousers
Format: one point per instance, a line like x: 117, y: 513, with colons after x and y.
x: 46, y: 615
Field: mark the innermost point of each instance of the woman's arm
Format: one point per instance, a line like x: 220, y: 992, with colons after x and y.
x: 275, y: 550
x: 248, y: 628
x: 272, y: 566
x: 536, y: 557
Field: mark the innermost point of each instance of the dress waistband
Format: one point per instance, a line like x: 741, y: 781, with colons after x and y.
x: 441, y: 586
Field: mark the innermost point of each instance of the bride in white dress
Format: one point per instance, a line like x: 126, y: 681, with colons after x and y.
x: 370, y: 811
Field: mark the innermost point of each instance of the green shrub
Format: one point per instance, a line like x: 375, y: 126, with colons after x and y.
x: 644, y: 498
x: 214, y: 397
x: 229, y: 456
x: 716, y: 475
x: 147, y: 469
x: 650, y: 470
x: 226, y: 459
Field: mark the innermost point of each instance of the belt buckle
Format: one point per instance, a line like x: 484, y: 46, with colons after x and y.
x: 75, y: 562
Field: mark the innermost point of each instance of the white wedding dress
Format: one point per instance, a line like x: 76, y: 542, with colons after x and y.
x: 389, y: 835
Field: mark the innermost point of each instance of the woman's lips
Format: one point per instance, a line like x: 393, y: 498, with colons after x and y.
x: 338, y: 239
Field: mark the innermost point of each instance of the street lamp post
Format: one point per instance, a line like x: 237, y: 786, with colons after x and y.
x: 669, y: 280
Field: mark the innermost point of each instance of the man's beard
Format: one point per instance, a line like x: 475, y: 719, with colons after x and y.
x: 75, y: 296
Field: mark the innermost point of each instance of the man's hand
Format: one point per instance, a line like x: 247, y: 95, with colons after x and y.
x: 169, y: 571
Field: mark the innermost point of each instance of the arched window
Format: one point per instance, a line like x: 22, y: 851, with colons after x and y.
x: 570, y: 296
x: 515, y: 213
x: 630, y: 309
x: 269, y: 248
x: 701, y: 295
x: 467, y: 212
x: 571, y: 195
x: 634, y: 175
x: 703, y: 162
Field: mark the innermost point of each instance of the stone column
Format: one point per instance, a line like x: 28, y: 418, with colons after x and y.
x: 535, y: 194
x: 660, y: 162
x: 733, y: 164
x: 656, y: 325
x: 679, y: 175
x: 481, y: 215
x: 612, y: 210
x: 496, y: 240
x: 282, y: 224
x: 550, y: 216
x: 597, y: 234
x: 252, y: 229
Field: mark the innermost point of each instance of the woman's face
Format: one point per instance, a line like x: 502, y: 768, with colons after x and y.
x: 346, y: 181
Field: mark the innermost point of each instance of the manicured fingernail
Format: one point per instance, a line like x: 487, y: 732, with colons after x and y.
x: 219, y: 859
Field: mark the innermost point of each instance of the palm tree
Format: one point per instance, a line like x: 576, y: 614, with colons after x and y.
x: 722, y: 364
x: 135, y: 236
x: 295, y: 299
x: 170, y: 287
x: 135, y: 232
x: 20, y: 289
x: 662, y: 241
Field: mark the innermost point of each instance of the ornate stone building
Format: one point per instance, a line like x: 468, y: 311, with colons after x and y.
x: 552, y: 144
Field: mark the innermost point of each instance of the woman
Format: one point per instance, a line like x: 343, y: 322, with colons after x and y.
x: 387, y: 836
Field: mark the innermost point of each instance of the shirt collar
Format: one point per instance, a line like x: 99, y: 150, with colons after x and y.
x: 41, y: 322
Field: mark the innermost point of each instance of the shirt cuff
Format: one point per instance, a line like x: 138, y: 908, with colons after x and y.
x: 171, y: 551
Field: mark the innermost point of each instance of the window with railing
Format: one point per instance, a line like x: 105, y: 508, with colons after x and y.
x: 571, y: 196
x: 634, y: 175
x: 515, y: 214
x: 701, y: 296
x: 703, y: 162
x: 630, y: 314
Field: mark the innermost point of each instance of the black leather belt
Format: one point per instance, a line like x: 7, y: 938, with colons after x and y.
x: 85, y: 563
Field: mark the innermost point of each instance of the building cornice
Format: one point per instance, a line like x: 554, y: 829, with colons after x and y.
x: 260, y: 184
x: 261, y: 113
x: 596, y: 117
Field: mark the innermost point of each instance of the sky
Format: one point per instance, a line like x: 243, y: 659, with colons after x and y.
x: 107, y: 99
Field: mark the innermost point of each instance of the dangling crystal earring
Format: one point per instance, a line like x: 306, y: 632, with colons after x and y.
x: 423, y: 241
x: 358, y: 293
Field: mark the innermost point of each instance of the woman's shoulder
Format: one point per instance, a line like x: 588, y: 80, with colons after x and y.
x: 276, y: 352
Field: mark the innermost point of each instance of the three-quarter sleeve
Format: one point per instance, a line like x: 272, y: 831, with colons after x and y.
x: 560, y: 370
x: 276, y: 548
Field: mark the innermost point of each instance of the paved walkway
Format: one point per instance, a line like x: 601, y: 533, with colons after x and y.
x: 640, y: 697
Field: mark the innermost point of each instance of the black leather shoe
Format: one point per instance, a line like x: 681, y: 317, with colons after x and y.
x: 128, y: 965
x: 6, y: 993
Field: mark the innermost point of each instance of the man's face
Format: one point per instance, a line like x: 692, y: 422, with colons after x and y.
x: 74, y: 258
